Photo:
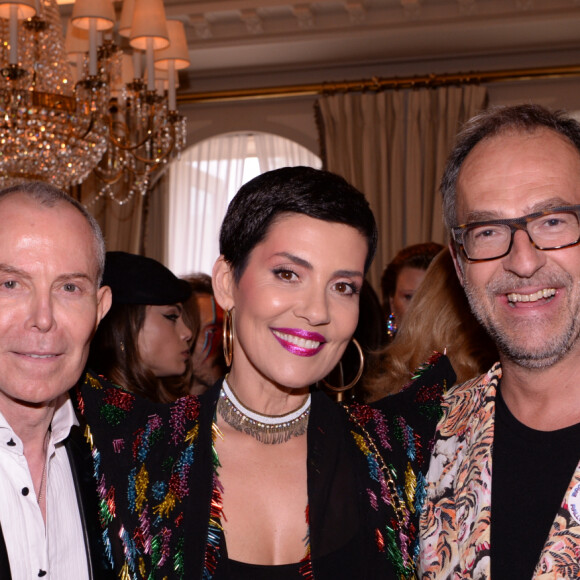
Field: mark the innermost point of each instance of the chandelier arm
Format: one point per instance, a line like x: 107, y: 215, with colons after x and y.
x: 151, y: 164
x: 159, y: 159
x: 89, y: 128
x: 108, y: 180
x: 120, y: 143
x: 131, y: 147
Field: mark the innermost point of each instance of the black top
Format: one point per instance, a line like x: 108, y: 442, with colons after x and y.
x: 531, y: 471
x: 234, y: 570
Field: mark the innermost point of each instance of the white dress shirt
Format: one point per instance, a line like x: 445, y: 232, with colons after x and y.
x: 57, y: 551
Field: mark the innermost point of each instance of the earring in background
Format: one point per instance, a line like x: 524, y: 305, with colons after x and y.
x: 391, y: 325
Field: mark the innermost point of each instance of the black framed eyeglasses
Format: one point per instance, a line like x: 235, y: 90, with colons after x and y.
x: 551, y: 229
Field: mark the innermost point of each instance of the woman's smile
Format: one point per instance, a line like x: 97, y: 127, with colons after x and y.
x: 298, y: 341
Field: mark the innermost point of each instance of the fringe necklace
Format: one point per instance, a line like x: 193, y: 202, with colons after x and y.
x: 269, y: 429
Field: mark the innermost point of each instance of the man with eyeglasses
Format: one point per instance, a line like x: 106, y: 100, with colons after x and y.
x: 504, y: 481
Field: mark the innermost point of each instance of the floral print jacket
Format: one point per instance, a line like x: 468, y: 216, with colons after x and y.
x: 455, y: 526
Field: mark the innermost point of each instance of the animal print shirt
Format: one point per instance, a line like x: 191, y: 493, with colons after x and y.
x: 455, y: 526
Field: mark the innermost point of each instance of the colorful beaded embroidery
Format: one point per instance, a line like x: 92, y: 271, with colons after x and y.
x: 158, y: 534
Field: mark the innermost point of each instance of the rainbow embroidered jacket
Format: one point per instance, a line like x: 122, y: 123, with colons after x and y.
x: 160, y: 495
x: 455, y: 526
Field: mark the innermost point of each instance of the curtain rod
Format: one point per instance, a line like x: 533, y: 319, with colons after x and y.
x: 379, y: 84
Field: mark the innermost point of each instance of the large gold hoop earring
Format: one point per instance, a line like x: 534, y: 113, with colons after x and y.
x: 228, y: 337
x: 358, y: 374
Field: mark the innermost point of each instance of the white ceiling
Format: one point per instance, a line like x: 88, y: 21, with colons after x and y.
x: 232, y: 39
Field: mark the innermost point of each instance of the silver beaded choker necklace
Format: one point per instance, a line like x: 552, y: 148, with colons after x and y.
x: 270, y: 429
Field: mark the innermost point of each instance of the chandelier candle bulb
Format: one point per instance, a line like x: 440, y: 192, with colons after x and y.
x: 13, y: 59
x: 137, y: 70
x: 93, y: 48
x: 172, y: 102
x: 174, y: 57
x: 150, y: 65
x: 13, y: 11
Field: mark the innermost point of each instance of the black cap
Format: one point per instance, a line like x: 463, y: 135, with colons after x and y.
x: 136, y: 279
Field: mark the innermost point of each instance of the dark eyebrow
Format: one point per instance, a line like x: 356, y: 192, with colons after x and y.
x: 481, y: 216
x: 308, y: 265
x: 295, y: 259
x: 348, y: 273
x: 547, y: 204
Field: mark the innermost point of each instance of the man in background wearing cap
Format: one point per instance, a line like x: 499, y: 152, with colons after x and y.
x: 51, y: 262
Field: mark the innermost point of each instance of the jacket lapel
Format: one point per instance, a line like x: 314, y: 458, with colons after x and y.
x: 82, y: 468
x: 456, y: 519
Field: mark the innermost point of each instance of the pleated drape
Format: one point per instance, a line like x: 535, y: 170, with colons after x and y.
x: 392, y: 145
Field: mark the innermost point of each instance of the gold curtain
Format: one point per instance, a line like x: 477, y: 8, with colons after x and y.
x: 392, y: 145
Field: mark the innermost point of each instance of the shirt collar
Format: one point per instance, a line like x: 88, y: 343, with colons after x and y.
x: 64, y: 418
x: 62, y: 422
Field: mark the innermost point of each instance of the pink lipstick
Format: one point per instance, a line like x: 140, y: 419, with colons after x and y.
x: 298, y: 341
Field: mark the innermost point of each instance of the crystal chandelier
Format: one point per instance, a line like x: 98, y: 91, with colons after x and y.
x: 46, y: 134
x: 118, y: 125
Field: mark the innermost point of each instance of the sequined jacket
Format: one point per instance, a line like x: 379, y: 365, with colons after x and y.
x: 455, y: 526
x: 160, y: 496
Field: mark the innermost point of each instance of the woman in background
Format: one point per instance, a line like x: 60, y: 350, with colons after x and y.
x: 401, y: 278
x: 144, y: 338
x: 263, y: 476
x: 207, y: 359
x: 438, y: 319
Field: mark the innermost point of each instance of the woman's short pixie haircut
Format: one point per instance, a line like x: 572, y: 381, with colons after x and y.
x: 301, y: 190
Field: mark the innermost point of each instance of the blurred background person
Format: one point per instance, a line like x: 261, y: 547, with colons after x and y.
x: 401, y: 278
x: 144, y: 337
x: 371, y: 334
x: 437, y: 319
x: 207, y: 358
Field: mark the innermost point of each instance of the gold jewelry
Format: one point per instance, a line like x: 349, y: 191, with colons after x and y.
x: 358, y: 374
x: 269, y: 429
x: 228, y: 337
